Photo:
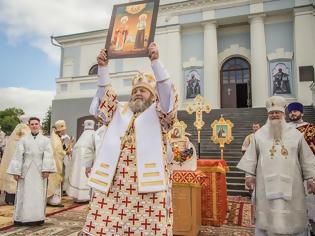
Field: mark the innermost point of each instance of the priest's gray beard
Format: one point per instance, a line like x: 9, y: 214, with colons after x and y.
x: 139, y: 105
x: 276, y: 128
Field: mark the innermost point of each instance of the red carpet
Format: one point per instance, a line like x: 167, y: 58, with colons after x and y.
x: 240, y: 212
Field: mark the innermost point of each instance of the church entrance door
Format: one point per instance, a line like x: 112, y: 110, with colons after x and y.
x: 235, y: 83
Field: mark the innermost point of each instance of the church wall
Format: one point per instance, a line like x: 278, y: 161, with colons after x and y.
x: 225, y: 39
x: 232, y: 11
x: 70, y: 110
x: 141, y: 64
x: 170, y: 1
x: 279, y: 44
x: 278, y: 4
x: 181, y: 37
x: 71, y: 61
x: 161, y: 38
x: 169, y: 40
x: 88, y: 57
x: 279, y: 35
x: 118, y: 64
x: 192, y: 45
x: 304, y: 49
x: 190, y: 18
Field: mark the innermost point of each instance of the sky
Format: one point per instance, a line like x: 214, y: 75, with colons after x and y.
x: 29, y: 63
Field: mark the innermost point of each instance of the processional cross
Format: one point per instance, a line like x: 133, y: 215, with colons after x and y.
x: 199, y: 107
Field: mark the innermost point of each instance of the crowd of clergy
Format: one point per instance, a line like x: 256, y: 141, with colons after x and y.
x: 36, y: 171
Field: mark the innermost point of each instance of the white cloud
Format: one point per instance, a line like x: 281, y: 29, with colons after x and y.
x: 33, y: 102
x: 36, y: 20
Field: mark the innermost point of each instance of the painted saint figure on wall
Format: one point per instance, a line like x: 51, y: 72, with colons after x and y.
x: 192, y: 84
x: 281, y: 78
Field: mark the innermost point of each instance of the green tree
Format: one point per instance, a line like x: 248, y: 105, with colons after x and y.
x: 46, y: 122
x: 9, y: 118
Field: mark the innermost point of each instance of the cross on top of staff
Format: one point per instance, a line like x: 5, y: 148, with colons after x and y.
x: 199, y: 107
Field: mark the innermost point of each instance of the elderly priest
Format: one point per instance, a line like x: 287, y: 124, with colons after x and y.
x: 276, y: 163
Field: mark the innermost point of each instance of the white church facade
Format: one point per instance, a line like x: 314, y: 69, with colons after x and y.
x: 235, y: 53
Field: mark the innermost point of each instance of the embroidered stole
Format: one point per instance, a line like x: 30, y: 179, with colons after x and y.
x: 149, y: 156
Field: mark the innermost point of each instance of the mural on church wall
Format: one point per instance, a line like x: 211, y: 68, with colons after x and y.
x: 131, y: 29
x: 193, y: 82
x: 281, y: 77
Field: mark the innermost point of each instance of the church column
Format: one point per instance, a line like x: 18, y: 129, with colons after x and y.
x: 259, y: 70
x: 211, y: 65
x: 304, y: 49
x: 173, y: 58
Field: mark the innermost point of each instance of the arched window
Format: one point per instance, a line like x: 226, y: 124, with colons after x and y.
x: 235, y: 83
x: 235, y: 70
x: 93, y: 70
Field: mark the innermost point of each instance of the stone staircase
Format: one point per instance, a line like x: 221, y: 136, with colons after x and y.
x: 242, y: 118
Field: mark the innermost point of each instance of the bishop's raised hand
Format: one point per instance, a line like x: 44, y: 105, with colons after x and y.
x: 102, y: 58
x: 153, y: 51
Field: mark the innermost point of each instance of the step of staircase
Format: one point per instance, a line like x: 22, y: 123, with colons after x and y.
x: 242, y: 118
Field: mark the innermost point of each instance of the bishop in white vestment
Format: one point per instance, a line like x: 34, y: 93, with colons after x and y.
x: 131, y: 172
x: 30, y: 166
x: 83, y: 151
x: 276, y: 163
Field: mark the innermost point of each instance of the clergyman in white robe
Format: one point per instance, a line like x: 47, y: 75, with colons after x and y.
x: 32, y: 157
x: 280, y: 166
x: 83, y: 151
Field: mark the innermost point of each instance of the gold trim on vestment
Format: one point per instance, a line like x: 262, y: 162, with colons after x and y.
x: 214, y: 195
x: 150, y: 165
x: 218, y: 169
x: 104, y: 165
x: 151, y: 174
x: 101, y: 173
x: 152, y: 183
x: 99, y: 182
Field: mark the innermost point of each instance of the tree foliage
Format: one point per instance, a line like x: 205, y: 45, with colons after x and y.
x: 46, y: 122
x: 9, y: 118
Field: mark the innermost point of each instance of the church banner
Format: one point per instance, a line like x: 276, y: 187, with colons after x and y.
x: 132, y: 29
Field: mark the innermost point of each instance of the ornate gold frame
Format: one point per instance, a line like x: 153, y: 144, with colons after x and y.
x: 227, y: 138
x: 181, y: 127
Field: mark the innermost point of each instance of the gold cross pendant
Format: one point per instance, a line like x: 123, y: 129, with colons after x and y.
x: 272, y: 151
x: 284, y: 152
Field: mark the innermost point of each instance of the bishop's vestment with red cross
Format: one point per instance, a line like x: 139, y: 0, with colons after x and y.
x: 123, y: 210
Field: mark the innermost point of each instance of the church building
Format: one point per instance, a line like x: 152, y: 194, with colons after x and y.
x: 235, y: 53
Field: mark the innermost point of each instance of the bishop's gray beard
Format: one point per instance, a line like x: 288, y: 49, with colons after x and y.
x: 276, y: 128
x: 139, y: 106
